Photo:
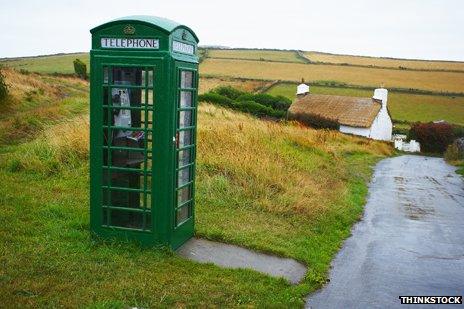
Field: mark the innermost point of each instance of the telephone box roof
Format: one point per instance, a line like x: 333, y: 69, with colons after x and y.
x: 164, y: 24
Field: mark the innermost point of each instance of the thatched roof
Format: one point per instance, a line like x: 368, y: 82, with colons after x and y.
x: 349, y: 111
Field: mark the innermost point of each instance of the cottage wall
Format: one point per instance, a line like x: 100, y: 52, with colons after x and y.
x: 382, y: 126
x: 355, y: 131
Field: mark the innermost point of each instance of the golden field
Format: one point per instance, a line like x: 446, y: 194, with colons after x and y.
x: 386, y: 62
x: 389, y: 78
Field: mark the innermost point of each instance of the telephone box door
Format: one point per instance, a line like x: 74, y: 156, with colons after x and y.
x: 124, y: 134
x: 186, y: 81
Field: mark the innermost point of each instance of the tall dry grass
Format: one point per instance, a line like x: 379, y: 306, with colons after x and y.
x: 61, y: 147
x: 21, y: 84
x: 283, y: 167
x: 37, y: 101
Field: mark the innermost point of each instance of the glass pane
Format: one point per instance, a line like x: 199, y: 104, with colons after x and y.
x: 127, y: 76
x: 105, y: 75
x: 183, y: 176
x: 182, y: 214
x: 183, y: 195
x: 184, y: 157
x: 185, y: 99
x: 185, y: 119
x: 150, y: 78
x: 186, y: 79
x: 185, y: 138
x: 149, y: 73
x: 147, y: 100
x: 126, y: 219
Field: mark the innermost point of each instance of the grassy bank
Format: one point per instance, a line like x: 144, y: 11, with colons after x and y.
x: 37, y: 101
x: 274, y: 187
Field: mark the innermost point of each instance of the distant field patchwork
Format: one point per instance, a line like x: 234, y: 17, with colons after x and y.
x: 434, y: 81
x: 385, y: 62
x: 47, y: 64
x: 403, y: 106
x: 256, y: 54
x: 258, y: 66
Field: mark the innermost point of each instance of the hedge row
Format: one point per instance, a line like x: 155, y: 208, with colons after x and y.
x: 434, y: 137
x: 256, y: 104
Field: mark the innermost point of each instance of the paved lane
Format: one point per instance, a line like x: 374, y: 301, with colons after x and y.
x: 410, y: 241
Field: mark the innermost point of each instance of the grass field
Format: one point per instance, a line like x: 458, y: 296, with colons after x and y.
x: 402, y: 106
x: 433, y: 81
x: 207, y: 84
x: 255, y: 54
x: 47, y: 64
x: 385, y: 62
x: 275, y: 187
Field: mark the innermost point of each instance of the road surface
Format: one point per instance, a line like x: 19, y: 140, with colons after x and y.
x: 410, y: 241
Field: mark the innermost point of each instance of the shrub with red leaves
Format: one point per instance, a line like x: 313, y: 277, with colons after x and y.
x: 433, y: 137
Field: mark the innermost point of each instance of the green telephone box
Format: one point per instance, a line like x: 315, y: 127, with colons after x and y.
x: 143, y: 99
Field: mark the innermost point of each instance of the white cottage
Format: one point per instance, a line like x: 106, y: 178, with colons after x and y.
x: 368, y: 117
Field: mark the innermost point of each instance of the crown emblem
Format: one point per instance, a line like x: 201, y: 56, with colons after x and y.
x: 129, y: 29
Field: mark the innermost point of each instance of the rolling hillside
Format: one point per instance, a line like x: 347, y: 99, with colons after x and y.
x: 420, y: 91
x: 62, y: 63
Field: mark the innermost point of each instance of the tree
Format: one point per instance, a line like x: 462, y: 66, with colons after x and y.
x: 80, y: 68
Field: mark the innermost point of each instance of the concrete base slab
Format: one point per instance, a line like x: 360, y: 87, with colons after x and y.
x: 230, y: 256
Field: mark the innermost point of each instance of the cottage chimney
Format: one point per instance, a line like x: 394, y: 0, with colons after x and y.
x: 302, y: 89
x: 381, y: 95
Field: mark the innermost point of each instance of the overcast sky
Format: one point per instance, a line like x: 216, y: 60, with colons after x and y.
x: 425, y: 29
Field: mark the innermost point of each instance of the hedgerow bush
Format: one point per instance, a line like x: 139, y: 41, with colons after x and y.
x: 454, y: 152
x: 258, y: 109
x: 433, y: 137
x: 314, y: 121
x: 276, y: 102
x: 458, y: 131
x: 216, y: 98
x: 80, y: 68
x: 229, y: 92
x: 255, y: 104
